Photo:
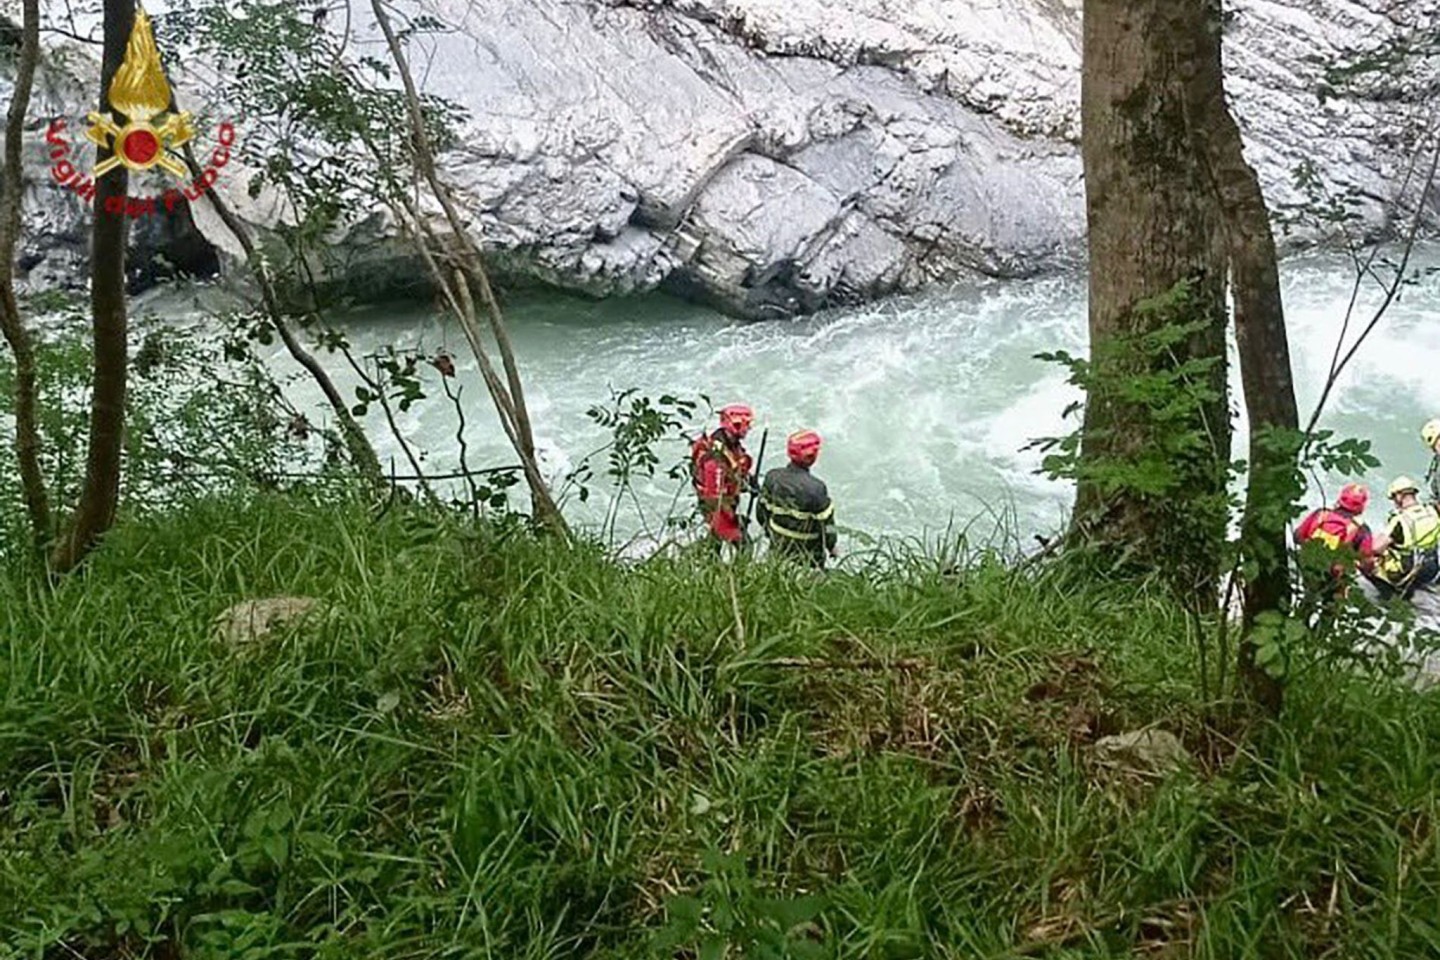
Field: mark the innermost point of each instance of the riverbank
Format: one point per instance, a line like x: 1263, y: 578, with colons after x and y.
x: 482, y: 745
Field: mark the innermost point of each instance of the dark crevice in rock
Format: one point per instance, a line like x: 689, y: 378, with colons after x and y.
x: 166, y: 246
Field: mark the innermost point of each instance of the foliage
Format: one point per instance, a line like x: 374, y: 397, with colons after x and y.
x: 638, y: 425
x: 197, y: 422
x: 1329, y: 210
x: 324, y: 128
x: 730, y: 913
x: 1398, y: 65
x: 1171, y: 392
x: 1337, y: 213
x: 324, y: 132
x: 1326, y: 631
x: 679, y: 753
x: 1321, y: 628
x: 1276, y: 500
x: 1158, y: 445
x: 1171, y: 399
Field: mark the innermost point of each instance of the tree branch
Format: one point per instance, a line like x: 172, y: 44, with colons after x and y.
x: 362, y: 453
x: 71, y: 35
x: 521, y: 434
x: 1391, y: 292
x: 27, y: 438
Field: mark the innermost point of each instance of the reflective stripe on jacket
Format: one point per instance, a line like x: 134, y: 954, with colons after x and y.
x: 1416, y: 527
x: 1414, y: 533
x: 795, y: 506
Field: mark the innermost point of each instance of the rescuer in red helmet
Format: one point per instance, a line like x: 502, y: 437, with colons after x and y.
x: 1340, y: 529
x: 720, y: 471
x: 795, y: 506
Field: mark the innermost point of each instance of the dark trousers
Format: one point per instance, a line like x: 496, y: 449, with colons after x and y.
x: 800, y: 551
x: 1426, y: 573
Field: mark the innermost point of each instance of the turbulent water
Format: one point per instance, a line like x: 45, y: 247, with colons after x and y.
x: 926, y: 404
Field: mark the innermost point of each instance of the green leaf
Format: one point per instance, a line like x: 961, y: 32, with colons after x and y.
x: 684, y: 908
x: 276, y: 848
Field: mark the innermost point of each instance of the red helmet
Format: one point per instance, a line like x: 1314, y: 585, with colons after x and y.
x: 736, y: 419
x: 803, y: 447
x: 1353, y: 497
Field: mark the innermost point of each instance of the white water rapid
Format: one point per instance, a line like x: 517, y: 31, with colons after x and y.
x: 924, y: 403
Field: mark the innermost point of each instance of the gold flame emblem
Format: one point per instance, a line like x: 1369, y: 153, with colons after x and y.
x: 141, y: 94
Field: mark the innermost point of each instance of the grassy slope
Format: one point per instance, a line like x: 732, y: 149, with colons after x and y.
x: 514, y: 751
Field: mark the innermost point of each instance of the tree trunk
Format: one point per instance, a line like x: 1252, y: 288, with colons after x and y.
x: 27, y: 438
x: 362, y: 452
x: 1154, y: 232
x: 1264, y: 351
x: 98, y: 499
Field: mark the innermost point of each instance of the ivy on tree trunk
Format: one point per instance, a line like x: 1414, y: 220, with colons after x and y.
x: 1152, y: 465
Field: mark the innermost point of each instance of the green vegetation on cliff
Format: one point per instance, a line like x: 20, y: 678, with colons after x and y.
x: 486, y: 746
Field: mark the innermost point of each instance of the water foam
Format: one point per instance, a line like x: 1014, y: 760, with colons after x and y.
x: 925, y: 402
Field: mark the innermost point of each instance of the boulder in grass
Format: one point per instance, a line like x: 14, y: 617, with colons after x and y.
x: 253, y: 620
x: 1143, y: 751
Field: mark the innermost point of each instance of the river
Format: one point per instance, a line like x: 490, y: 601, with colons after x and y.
x: 926, y: 403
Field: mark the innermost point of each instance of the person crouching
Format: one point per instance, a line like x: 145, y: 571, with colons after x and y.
x: 1409, y: 562
x: 1342, y: 532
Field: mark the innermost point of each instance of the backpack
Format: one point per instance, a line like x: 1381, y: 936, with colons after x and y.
x: 702, y: 449
x: 1327, y: 533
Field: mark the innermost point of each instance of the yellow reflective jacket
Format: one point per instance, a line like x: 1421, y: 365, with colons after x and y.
x: 1416, y: 527
x: 1412, y: 531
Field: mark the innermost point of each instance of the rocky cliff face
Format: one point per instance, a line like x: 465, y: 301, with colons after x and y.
x: 53, y: 251
x: 775, y: 156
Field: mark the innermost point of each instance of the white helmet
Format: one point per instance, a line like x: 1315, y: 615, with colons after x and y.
x: 1402, y: 485
x: 1430, y: 433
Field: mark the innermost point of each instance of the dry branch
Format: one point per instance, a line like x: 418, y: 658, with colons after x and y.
x: 467, y: 269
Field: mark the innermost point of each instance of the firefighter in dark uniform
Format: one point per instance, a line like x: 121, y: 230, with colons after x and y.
x: 795, y: 507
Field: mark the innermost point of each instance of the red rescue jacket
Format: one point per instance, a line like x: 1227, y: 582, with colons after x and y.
x: 719, y: 470
x: 1337, y: 529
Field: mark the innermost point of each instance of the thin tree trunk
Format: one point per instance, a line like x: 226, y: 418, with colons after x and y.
x: 101, y: 492
x: 1264, y: 352
x: 362, y: 452
x: 509, y: 399
x: 1153, y: 229
x: 27, y: 436
x: 455, y: 288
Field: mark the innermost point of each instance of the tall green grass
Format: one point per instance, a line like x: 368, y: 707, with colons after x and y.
x: 490, y: 747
